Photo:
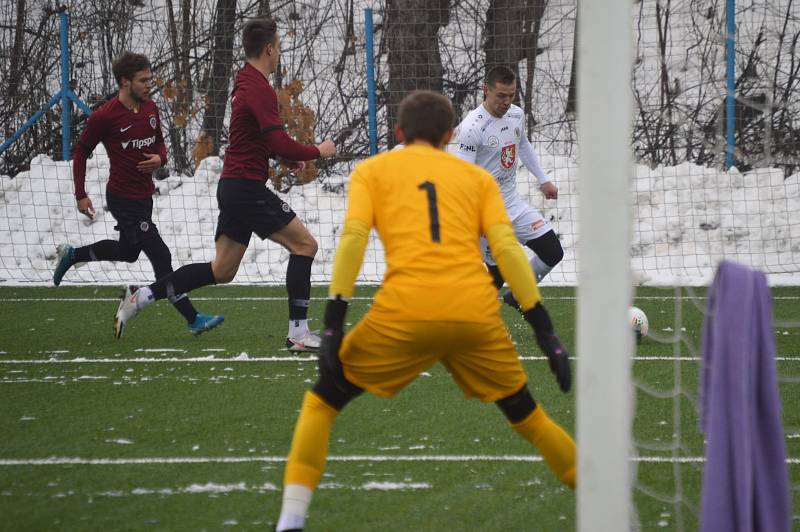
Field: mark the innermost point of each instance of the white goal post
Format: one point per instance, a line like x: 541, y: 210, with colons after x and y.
x: 604, y: 340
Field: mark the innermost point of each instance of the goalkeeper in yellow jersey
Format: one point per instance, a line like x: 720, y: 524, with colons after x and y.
x: 437, y: 302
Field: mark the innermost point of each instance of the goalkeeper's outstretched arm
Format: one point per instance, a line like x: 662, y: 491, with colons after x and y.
x: 517, y: 272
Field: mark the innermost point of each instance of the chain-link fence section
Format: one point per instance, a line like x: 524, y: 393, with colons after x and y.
x: 689, y: 212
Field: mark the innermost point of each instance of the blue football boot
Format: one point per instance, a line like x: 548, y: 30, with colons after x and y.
x: 203, y: 323
x: 64, y: 261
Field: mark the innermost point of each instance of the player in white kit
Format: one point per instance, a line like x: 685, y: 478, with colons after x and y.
x: 493, y: 137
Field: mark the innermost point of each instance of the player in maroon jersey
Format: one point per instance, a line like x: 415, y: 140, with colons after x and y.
x: 246, y: 205
x: 129, y: 127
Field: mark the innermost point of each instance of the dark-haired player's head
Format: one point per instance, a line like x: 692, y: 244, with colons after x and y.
x: 261, y: 42
x: 133, y: 75
x: 499, y: 90
x: 425, y: 116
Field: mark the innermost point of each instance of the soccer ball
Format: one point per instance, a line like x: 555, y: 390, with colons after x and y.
x: 639, y: 322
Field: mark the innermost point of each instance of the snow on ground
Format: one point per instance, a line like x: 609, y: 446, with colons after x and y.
x: 686, y: 218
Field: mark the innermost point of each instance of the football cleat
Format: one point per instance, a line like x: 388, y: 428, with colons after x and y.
x: 203, y: 323
x: 64, y: 262
x: 127, y: 310
x: 308, y: 341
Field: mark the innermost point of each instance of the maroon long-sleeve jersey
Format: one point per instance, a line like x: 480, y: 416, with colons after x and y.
x: 257, y: 131
x: 129, y: 137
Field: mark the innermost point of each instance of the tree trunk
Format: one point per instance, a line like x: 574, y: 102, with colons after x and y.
x: 412, y: 28
x: 533, y: 23
x: 173, y: 36
x: 16, y: 53
x: 185, y: 93
x: 572, y: 91
x: 511, y: 34
x: 221, y: 58
x: 177, y: 100
x: 265, y: 10
x: 503, y: 34
x: 14, y: 73
x: 186, y: 38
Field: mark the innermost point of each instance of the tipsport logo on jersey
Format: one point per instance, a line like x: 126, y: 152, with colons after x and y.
x: 508, y: 155
x: 139, y: 143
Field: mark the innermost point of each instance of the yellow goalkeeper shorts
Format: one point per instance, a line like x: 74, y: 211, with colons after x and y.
x: 382, y: 357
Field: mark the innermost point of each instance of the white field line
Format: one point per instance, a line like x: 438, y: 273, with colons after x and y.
x: 310, y: 358
x: 67, y: 460
x: 283, y: 298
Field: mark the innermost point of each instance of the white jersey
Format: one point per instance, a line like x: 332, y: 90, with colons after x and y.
x: 495, y: 144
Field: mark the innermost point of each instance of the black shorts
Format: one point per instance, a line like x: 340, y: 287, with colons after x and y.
x: 246, y: 207
x: 134, y: 218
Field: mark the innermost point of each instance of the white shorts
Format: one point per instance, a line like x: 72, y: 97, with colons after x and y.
x: 529, y: 224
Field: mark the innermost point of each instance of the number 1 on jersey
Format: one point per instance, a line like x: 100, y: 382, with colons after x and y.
x: 433, y: 209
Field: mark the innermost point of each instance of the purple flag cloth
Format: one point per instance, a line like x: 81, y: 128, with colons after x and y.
x: 745, y: 480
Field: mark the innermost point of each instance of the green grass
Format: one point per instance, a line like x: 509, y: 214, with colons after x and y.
x: 242, y: 412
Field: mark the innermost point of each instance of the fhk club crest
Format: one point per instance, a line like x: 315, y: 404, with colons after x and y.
x: 508, y: 155
x: 153, y: 122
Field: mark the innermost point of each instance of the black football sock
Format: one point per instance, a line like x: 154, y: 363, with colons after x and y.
x: 161, y: 259
x: 183, y: 305
x: 101, y: 250
x: 298, y: 286
x: 184, y: 279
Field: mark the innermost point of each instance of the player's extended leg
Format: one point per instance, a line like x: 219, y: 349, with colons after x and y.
x: 376, y: 356
x: 68, y: 256
x: 547, y: 253
x: 160, y: 257
x: 229, y: 255
x: 302, y: 248
x: 531, y: 422
x: 485, y: 364
x: 309, y: 449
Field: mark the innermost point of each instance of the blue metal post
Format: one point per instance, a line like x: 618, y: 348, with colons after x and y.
x: 27, y: 125
x: 66, y: 104
x: 730, y: 76
x: 371, y: 111
x: 65, y: 95
x: 83, y: 107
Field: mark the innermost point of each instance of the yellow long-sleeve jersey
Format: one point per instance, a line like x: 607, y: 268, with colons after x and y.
x: 429, y: 209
